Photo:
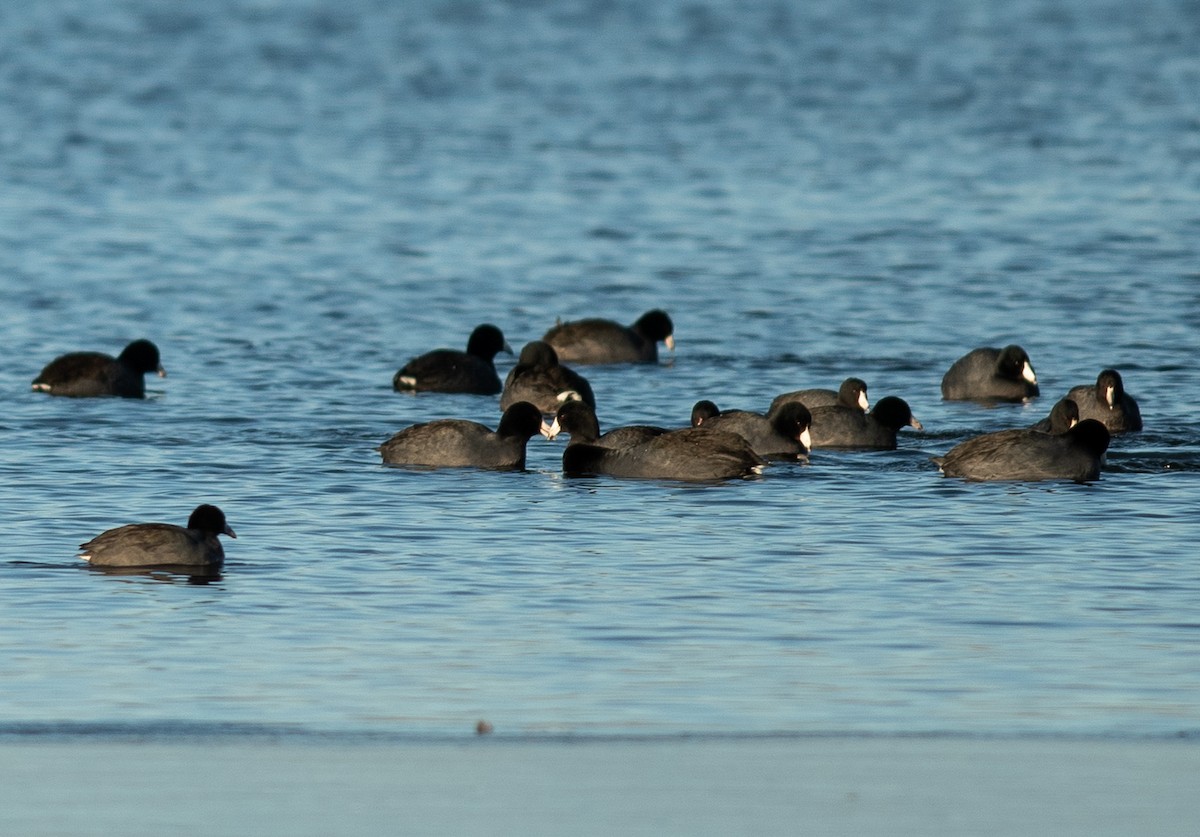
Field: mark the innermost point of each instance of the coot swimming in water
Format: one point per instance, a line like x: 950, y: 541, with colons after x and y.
x: 90, y: 374
x: 1107, y: 402
x: 162, y: 544
x: 852, y: 393
x: 540, y: 379
x: 1023, y: 454
x: 989, y: 374
x: 450, y: 443
x: 597, y: 340
x: 449, y: 370
x: 783, y: 434
x: 845, y: 427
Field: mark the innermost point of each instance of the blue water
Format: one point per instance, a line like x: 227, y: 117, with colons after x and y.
x: 293, y: 198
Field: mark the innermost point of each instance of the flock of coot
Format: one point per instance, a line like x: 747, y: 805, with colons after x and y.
x: 1069, y: 444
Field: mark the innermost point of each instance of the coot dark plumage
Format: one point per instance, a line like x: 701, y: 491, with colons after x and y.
x: 1063, y: 416
x: 1107, y: 402
x: 162, y: 544
x: 989, y: 374
x: 1030, y: 455
x: 692, y: 454
x: 846, y: 427
x: 852, y: 393
x: 784, y: 434
x: 578, y: 420
x: 90, y: 374
x: 597, y: 340
x: 449, y: 370
x: 458, y: 443
x: 540, y: 379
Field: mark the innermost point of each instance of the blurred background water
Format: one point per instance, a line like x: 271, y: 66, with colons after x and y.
x: 293, y: 198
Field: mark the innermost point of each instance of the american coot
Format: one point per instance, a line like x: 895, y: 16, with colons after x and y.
x: 605, y: 341
x: 1063, y: 416
x: 852, y: 393
x: 458, y: 443
x: 449, y: 370
x: 784, y: 434
x: 88, y: 374
x: 844, y: 427
x: 540, y: 379
x: 1030, y: 455
x: 1107, y: 402
x: 692, y: 454
x: 991, y: 375
x: 162, y: 544
x: 578, y: 420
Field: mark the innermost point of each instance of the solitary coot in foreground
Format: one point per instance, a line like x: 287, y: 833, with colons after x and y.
x: 1107, y: 402
x: 449, y: 370
x: 1030, y: 455
x: 451, y: 443
x: 852, y: 393
x: 162, y: 544
x: 844, y: 427
x: 540, y: 379
x: 784, y: 434
x: 605, y: 341
x: 578, y: 420
x: 90, y: 374
x: 991, y: 375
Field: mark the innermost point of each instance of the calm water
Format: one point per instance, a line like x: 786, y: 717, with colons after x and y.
x: 292, y: 199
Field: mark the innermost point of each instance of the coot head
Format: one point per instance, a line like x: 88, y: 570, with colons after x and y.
x: 486, y: 342
x: 577, y: 420
x: 142, y: 356
x: 793, y: 421
x: 208, y: 518
x: 703, y: 410
x: 656, y: 327
x: 523, y: 421
x: 1014, y: 364
x: 895, y: 413
x: 537, y: 353
x: 1091, y: 435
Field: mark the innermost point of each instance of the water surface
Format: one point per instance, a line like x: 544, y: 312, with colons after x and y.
x: 292, y: 199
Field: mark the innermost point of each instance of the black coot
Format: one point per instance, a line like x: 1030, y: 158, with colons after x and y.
x: 450, y: 443
x: 845, y: 427
x: 89, y: 374
x: 784, y: 434
x: 1063, y: 416
x: 1030, y: 455
x: 852, y: 393
x: 605, y: 341
x: 449, y: 370
x: 1108, y: 403
x: 540, y: 379
x: 162, y: 544
x: 989, y: 374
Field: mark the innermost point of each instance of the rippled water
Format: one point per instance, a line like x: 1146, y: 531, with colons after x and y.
x: 292, y: 199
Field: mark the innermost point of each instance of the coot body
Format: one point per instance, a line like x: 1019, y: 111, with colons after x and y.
x: 596, y: 340
x: 162, y: 544
x: 451, y: 370
x: 1107, y: 402
x: 844, y: 427
x: 852, y: 393
x: 541, y: 379
x: 1024, y: 454
x: 989, y: 374
x: 458, y: 443
x: 94, y: 374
